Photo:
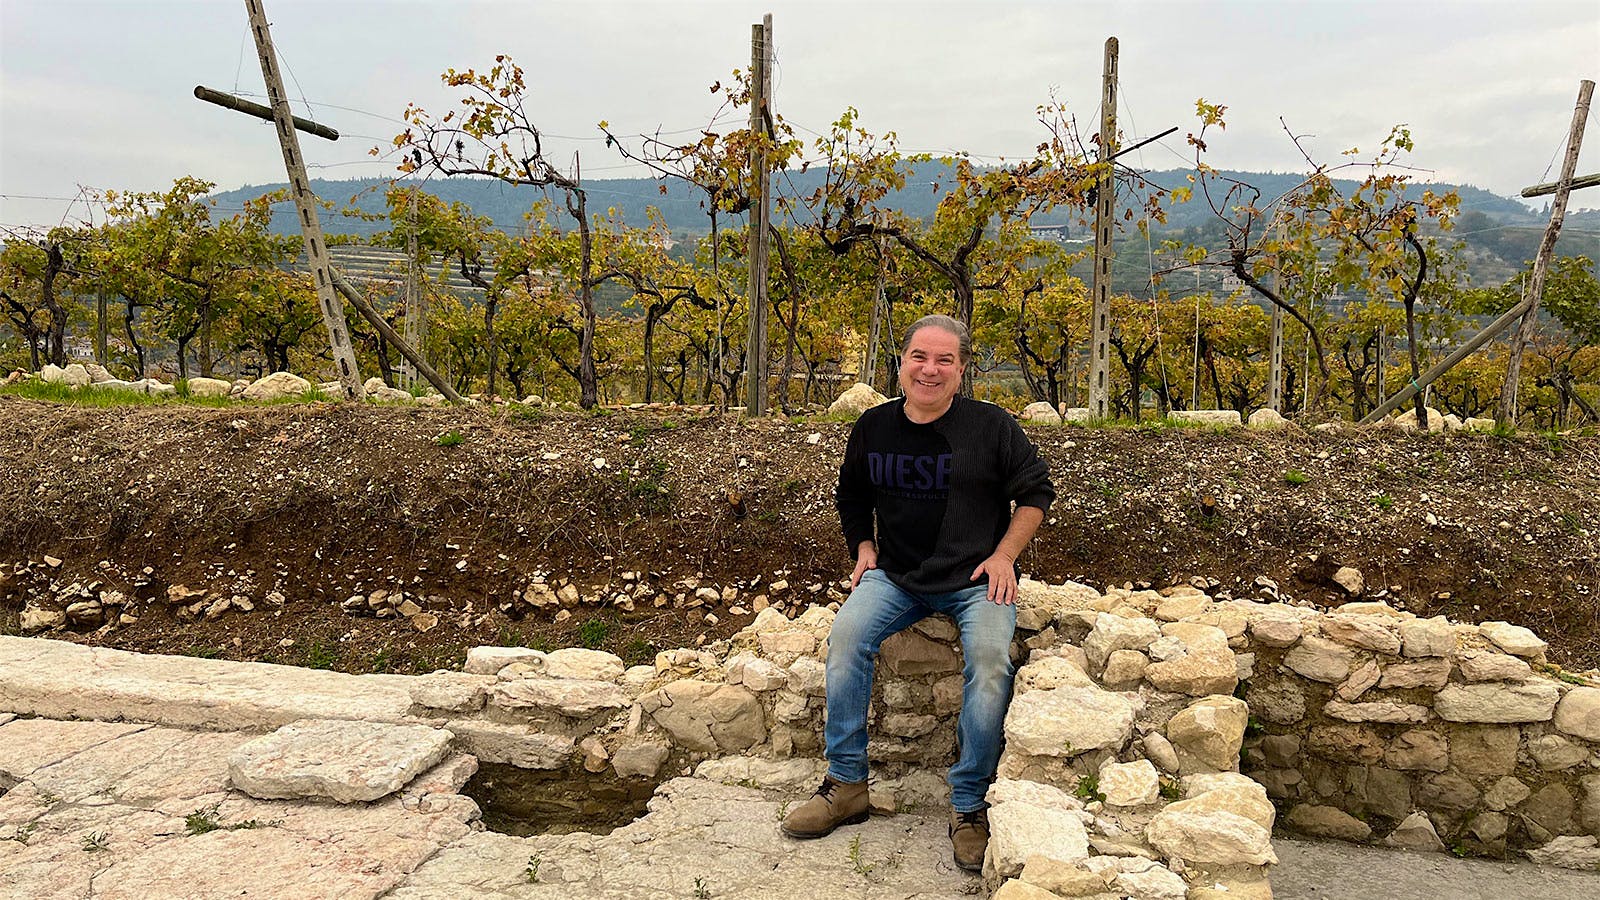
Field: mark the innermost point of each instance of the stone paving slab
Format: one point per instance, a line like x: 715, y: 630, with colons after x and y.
x: 112, y: 811
x: 1315, y: 870
x: 343, y: 761
x: 62, y: 680
x: 701, y: 836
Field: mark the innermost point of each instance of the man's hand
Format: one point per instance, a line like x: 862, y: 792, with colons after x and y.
x: 1002, y: 578
x: 866, y: 558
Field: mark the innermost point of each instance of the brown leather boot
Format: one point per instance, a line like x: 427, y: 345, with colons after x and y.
x: 969, y: 837
x: 835, y: 803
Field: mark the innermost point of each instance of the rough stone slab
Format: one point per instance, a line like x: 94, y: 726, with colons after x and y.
x: 517, y: 745
x: 1525, y: 701
x: 1067, y: 721
x: 349, y: 762
x: 62, y: 680
x: 725, y: 836
x: 490, y: 660
x: 562, y: 696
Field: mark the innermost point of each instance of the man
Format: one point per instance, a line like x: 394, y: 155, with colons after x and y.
x: 940, y: 473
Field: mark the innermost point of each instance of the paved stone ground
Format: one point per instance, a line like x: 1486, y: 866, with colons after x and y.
x: 1316, y: 870
x: 702, y: 839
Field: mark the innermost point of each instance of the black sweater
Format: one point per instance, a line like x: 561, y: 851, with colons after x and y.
x: 941, y: 492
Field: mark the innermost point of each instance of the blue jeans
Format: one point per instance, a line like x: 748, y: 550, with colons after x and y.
x: 877, y: 609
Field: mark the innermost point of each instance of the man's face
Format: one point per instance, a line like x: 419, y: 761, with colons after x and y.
x: 931, y: 368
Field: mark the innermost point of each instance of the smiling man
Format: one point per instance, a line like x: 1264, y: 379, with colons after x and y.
x: 937, y: 496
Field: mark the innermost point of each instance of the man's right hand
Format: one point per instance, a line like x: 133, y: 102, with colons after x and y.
x: 866, y: 558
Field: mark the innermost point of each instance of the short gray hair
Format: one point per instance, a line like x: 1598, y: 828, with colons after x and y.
x: 943, y: 323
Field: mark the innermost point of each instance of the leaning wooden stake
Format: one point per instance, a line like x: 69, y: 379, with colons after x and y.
x: 344, y: 355
x: 1505, y: 413
x: 389, y: 334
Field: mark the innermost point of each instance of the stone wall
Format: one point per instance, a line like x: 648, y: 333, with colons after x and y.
x: 1364, y: 723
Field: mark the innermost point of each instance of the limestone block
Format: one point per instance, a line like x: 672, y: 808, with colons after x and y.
x: 1117, y: 633
x: 1033, y: 793
x: 1124, y: 669
x: 1214, y: 418
x: 1506, y: 793
x: 910, y: 653
x: 768, y: 774
x: 277, y: 386
x: 1067, y: 721
x: 1447, y: 791
x: 1570, y: 852
x: 1484, y: 750
x: 1415, y: 832
x: 1418, y: 750
x: 1407, y: 420
x: 490, y: 660
x: 516, y: 745
x: 1513, y: 639
x: 1207, y: 734
x: 1376, y: 633
x: 1206, y: 665
x: 1016, y: 889
x: 1051, y: 672
x: 1061, y: 879
x: 1552, y: 807
x: 1266, y: 418
x: 1387, y: 793
x: 1319, y: 659
x: 1155, y: 882
x: 1589, y: 812
x: 1327, y: 822
x: 857, y: 399
x: 344, y: 761
x: 1431, y: 673
x: 757, y: 674
x: 947, y: 695
x: 640, y: 760
x: 707, y: 717
x: 1379, y: 711
x: 1225, y: 826
x: 1519, y: 701
x: 577, y: 663
x: 1350, y: 579
x: 1160, y: 751
x: 52, y: 374
x: 1129, y: 784
x: 1019, y: 831
x: 1427, y: 637
x: 1487, y: 665
x: 1553, y: 752
x: 784, y: 647
x: 1040, y: 413
x: 207, y: 387
x: 1362, y: 679
x: 450, y: 691
x: 1345, y: 743
x: 561, y: 696
x: 38, y: 618
x: 808, y: 676
x: 1275, y: 630
x: 1182, y: 606
x: 908, y: 725
x: 1280, y: 701
x: 1578, y: 713
x: 1281, y: 750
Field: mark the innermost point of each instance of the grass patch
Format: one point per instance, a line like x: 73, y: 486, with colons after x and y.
x: 1295, y: 478
x: 1088, y: 789
x: 95, y: 841
x: 451, y: 438
x: 593, y: 633
x: 1383, y: 501
x: 320, y: 656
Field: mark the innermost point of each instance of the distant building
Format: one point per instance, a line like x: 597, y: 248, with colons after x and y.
x: 1057, y: 233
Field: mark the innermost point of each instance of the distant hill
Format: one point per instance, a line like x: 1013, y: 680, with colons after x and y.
x: 1501, y: 232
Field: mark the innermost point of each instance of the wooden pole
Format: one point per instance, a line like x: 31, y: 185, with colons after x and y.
x: 1505, y: 414
x: 760, y: 213
x: 1100, y: 315
x: 344, y: 355
x: 229, y: 101
x: 389, y: 334
x: 1582, y: 181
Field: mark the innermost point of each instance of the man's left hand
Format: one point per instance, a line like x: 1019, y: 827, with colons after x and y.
x: 1002, y: 578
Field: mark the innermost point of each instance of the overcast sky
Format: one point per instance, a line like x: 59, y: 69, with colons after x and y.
x: 98, y: 92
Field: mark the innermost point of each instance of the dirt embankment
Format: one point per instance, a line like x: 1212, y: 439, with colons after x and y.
x: 458, y: 509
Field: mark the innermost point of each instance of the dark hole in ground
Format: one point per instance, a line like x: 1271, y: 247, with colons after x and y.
x: 526, y: 802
